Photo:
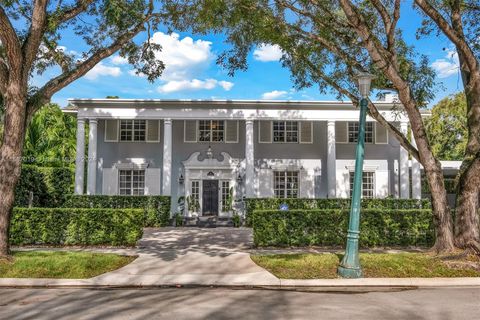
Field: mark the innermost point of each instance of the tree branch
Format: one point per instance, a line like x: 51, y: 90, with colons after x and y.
x: 35, y: 35
x: 3, y: 78
x: 74, y: 11
x: 457, y: 39
x: 59, y: 57
x: 10, y: 42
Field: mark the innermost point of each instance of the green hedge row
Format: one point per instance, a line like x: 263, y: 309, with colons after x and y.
x: 74, y: 226
x: 328, y: 227
x: 156, y: 208
x: 309, y: 204
x: 49, y: 185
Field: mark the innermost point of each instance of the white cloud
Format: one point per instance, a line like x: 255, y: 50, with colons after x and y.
x: 195, y: 84
x: 267, y: 52
x: 275, y: 94
x: 117, y: 60
x: 447, y: 66
x: 103, y: 70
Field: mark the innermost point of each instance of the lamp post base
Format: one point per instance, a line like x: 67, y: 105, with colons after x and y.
x: 349, y: 273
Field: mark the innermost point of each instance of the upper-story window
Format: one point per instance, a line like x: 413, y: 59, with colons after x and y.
x: 353, y: 132
x: 133, y: 130
x: 132, y: 182
x: 211, y: 130
x: 285, y: 131
x: 286, y: 184
x: 368, y: 184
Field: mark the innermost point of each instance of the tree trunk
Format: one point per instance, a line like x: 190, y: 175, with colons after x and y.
x: 10, y: 156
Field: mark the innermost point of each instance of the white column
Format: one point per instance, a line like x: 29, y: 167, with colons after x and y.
x: 249, y: 160
x: 404, y: 170
x: 416, y: 177
x: 331, y: 160
x: 92, y: 157
x: 167, y: 158
x: 80, y: 156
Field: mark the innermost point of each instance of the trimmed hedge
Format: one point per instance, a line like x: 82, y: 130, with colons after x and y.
x: 74, y: 226
x: 320, y: 203
x: 50, y: 186
x: 156, y: 208
x: 328, y: 227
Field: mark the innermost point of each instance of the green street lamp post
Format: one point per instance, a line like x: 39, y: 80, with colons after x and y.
x: 350, y: 265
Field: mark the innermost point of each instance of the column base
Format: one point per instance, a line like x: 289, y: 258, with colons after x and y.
x: 349, y: 272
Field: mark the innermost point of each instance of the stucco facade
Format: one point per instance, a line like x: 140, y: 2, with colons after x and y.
x: 214, y: 152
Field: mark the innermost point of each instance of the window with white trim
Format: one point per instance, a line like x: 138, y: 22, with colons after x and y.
x: 285, y: 131
x: 286, y: 184
x: 211, y: 130
x: 353, y: 132
x: 132, y: 182
x: 368, y: 184
x: 195, y: 194
x: 225, y: 196
x: 133, y: 130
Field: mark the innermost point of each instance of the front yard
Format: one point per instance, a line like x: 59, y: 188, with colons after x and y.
x: 61, y: 264
x: 375, y: 265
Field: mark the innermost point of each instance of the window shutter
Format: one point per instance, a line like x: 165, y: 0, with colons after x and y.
x: 153, y: 131
x: 341, y: 132
x: 152, y: 181
x: 190, y: 131
x: 306, y: 132
x: 111, y: 130
x: 381, y: 134
x: 307, y: 186
x: 265, y: 131
x: 110, y: 181
x: 231, y: 131
x: 265, y: 183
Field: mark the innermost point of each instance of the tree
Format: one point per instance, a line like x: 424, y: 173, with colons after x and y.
x: 458, y: 21
x: 30, y: 33
x: 327, y: 43
x: 50, y: 139
x: 447, y: 128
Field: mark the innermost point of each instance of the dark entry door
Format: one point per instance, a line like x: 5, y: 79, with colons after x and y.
x: 210, y: 197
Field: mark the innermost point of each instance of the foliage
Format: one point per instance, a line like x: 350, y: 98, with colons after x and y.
x: 156, y: 209
x: 328, y: 227
x: 450, y: 185
x: 61, y: 264
x: 236, y: 220
x: 447, y: 127
x: 76, y: 226
x: 344, y: 204
x: 50, y: 186
x: 374, y: 265
x: 193, y: 204
x: 51, y: 138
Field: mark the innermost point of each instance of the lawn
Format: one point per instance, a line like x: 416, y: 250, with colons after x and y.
x: 374, y: 265
x: 61, y: 264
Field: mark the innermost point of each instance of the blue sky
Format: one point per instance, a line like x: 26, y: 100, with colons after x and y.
x: 191, y: 72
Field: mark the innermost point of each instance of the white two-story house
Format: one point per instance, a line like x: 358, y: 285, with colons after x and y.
x: 212, y: 151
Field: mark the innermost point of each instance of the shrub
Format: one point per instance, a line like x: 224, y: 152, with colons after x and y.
x: 50, y: 186
x: 156, y: 208
x: 75, y: 226
x: 328, y: 227
x: 321, y: 203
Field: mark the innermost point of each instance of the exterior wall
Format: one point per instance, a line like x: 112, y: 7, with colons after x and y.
x: 110, y: 153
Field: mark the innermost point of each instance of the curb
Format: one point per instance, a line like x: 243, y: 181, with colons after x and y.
x: 334, y: 284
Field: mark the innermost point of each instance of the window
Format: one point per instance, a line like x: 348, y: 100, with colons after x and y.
x: 368, y: 184
x: 133, y: 130
x: 286, y: 184
x: 132, y: 182
x: 353, y: 132
x: 226, y: 205
x: 211, y: 130
x: 285, y: 131
x: 195, y: 197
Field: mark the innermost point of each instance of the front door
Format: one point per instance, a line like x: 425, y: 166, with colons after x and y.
x: 210, y: 197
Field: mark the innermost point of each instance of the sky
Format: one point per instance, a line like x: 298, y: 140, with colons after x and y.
x: 191, y: 71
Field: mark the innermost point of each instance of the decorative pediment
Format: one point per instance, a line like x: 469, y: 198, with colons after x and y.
x: 195, y: 162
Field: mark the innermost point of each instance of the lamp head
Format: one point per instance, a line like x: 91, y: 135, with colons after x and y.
x: 364, y: 80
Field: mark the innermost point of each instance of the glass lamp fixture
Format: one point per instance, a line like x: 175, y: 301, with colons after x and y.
x: 364, y: 81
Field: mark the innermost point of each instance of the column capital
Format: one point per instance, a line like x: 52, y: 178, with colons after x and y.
x: 167, y: 121
x: 92, y: 120
x: 249, y: 121
x: 331, y: 122
x: 81, y: 120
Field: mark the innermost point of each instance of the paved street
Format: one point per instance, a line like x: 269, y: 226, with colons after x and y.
x: 220, y: 303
